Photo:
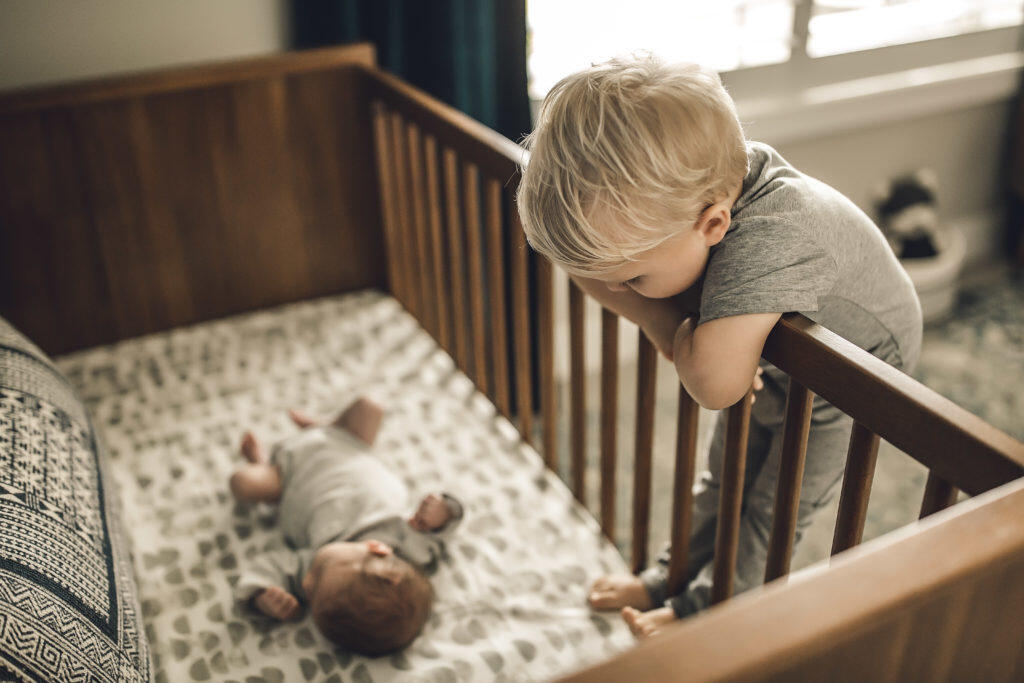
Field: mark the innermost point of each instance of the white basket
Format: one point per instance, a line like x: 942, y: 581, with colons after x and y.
x: 935, y: 277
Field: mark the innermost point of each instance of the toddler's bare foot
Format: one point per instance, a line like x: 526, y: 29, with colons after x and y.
x: 619, y: 590
x: 301, y: 419
x: 251, y: 449
x: 649, y: 623
x: 278, y: 603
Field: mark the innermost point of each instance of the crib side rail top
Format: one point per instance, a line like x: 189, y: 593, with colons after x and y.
x: 937, y: 601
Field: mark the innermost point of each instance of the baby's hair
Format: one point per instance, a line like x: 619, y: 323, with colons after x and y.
x: 642, y: 145
x: 379, y: 611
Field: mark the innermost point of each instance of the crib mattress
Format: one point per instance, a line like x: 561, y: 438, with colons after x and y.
x: 171, y: 409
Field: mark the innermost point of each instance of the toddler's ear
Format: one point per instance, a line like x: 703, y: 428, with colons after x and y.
x: 713, y: 223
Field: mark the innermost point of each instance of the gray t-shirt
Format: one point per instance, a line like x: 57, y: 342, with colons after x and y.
x: 335, y: 489
x: 796, y: 244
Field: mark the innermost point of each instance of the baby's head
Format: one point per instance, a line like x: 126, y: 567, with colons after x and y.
x: 633, y: 160
x: 365, y: 598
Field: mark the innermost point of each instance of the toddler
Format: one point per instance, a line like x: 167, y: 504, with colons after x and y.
x: 355, y: 560
x: 641, y: 185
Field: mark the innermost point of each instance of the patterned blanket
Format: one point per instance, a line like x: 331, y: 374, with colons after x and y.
x: 171, y: 409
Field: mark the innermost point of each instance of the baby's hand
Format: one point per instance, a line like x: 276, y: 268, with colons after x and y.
x: 278, y: 603
x: 431, y: 515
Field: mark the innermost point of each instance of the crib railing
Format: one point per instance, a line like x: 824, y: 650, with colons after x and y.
x: 447, y: 198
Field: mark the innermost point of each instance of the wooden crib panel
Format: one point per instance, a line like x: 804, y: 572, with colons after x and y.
x: 578, y: 393
x: 796, y: 427
x: 497, y: 295
x: 853, y: 500
x: 111, y: 188
x: 405, y: 244
x: 442, y: 284
x: 939, y: 494
x: 609, y: 417
x: 730, y: 499
x: 418, y: 191
x: 386, y: 176
x: 901, y: 607
x: 682, y: 490
x: 521, y: 325
x: 474, y: 256
x: 546, y: 341
x: 459, y: 300
x: 646, y: 383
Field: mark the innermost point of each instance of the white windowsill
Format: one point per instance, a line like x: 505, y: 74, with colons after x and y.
x: 836, y: 107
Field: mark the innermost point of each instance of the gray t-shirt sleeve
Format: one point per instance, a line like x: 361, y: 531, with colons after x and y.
x: 765, y: 265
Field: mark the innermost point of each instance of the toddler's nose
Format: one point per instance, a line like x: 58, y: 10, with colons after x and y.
x: 617, y: 286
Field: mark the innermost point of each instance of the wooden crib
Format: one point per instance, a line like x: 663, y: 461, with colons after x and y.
x: 259, y: 189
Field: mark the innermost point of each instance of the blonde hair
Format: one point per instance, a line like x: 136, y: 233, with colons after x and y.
x: 643, y: 145
x: 381, y: 610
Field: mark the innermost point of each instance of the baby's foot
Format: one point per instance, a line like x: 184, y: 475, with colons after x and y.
x: 619, y: 590
x: 649, y: 623
x: 278, y: 603
x: 251, y: 449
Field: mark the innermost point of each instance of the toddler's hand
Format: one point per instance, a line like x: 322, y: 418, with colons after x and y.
x: 758, y: 384
x: 278, y: 603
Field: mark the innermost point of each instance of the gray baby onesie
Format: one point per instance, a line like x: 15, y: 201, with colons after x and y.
x: 335, y: 489
x: 795, y: 244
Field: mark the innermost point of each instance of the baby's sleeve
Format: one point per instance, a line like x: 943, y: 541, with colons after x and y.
x: 283, y: 568
x: 767, y: 266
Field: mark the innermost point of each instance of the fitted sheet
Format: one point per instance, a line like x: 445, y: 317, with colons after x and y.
x: 171, y: 408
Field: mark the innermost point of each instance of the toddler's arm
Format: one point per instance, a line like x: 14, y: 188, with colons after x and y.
x: 658, y: 318
x: 717, y: 361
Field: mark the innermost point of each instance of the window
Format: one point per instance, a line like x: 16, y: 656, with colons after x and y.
x: 800, y: 68
x: 837, y: 26
x: 568, y: 35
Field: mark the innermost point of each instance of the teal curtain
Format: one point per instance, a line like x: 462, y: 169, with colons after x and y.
x: 468, y: 53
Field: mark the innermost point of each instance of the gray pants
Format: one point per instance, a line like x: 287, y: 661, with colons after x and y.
x: 823, y: 470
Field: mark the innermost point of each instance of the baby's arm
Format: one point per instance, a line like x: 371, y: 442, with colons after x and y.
x: 717, y: 361
x: 269, y: 584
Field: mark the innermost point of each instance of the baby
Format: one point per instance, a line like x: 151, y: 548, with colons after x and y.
x: 354, y: 559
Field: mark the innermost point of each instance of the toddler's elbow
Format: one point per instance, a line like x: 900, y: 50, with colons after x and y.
x: 714, y: 396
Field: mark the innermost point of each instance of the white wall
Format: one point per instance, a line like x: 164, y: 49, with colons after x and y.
x: 48, y: 41
x: 965, y: 147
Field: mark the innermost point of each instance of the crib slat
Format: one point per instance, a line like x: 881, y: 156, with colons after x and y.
x: 939, y: 494
x: 521, y: 323
x: 474, y: 247
x: 796, y: 427
x: 646, y: 382
x: 410, y: 295
x: 458, y: 271
x: 385, y: 176
x: 609, y: 413
x: 730, y: 499
x: 442, y: 287
x: 417, y: 179
x: 853, y: 501
x: 578, y: 400
x: 546, y: 338
x: 682, y: 490
x: 496, y: 295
